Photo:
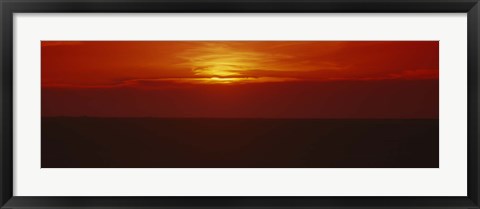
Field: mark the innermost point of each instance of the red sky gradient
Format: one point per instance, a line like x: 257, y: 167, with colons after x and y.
x: 241, y: 79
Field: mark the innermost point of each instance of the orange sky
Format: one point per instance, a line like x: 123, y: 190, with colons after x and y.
x: 113, y: 63
x: 81, y: 67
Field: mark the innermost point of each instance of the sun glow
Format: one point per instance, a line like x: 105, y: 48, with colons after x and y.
x: 216, y: 70
x: 220, y: 63
x: 224, y: 80
x: 240, y: 80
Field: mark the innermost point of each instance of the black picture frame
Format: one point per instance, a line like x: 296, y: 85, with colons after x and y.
x: 9, y: 7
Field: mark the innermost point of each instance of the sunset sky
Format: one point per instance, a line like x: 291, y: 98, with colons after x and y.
x: 252, y: 79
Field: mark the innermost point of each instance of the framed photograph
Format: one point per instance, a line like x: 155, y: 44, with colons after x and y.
x: 239, y: 104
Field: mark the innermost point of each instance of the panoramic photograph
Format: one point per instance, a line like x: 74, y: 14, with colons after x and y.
x: 240, y: 104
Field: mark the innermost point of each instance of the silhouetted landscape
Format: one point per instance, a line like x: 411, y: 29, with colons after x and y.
x: 89, y: 142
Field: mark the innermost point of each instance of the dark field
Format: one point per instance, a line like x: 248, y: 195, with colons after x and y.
x: 85, y: 142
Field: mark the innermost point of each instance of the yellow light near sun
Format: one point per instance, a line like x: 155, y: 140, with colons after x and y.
x: 224, y: 80
x: 217, y: 70
x: 218, y: 62
x: 215, y: 63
